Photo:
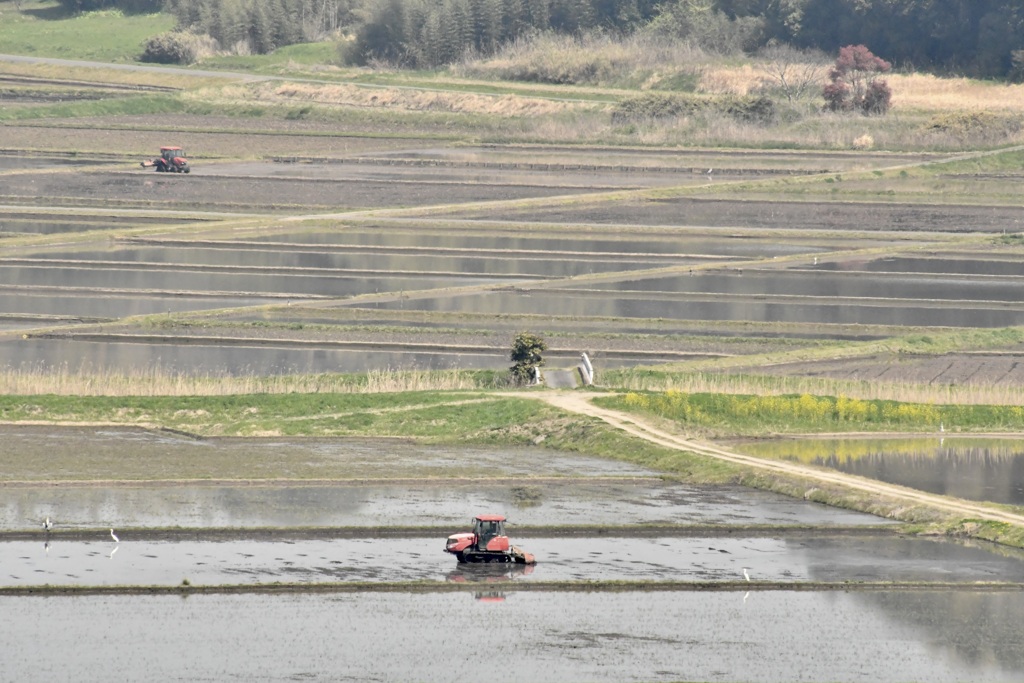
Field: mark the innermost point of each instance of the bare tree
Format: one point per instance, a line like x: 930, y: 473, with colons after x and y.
x: 792, y: 72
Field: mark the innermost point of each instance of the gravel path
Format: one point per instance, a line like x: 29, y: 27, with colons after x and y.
x: 579, y: 403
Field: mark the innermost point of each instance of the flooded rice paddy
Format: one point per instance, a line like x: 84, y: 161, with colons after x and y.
x: 760, y: 637
x: 607, y: 501
x: 721, y: 266
x: 379, y: 483
x: 230, y: 358
x: 975, y: 468
x: 724, y: 306
x: 134, y: 561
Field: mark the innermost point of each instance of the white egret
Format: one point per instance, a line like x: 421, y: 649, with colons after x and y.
x: 745, y: 574
x: 47, y: 525
x: 113, y: 536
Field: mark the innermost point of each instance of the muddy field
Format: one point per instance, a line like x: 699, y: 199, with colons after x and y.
x: 776, y: 560
x: 982, y: 369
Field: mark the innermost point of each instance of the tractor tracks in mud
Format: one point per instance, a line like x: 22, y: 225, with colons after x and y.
x: 583, y: 404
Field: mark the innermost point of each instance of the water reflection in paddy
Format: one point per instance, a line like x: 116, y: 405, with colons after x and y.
x: 573, y: 244
x: 718, y: 306
x: 228, y: 359
x: 93, y: 304
x: 884, y: 637
x: 984, y: 469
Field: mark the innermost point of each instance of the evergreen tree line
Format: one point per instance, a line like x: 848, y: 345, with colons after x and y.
x: 263, y: 25
x: 428, y: 33
x: 982, y: 38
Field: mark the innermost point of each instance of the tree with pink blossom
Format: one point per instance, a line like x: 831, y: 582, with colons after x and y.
x: 854, y: 84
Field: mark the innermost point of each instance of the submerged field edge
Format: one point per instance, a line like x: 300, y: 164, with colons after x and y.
x: 513, y: 586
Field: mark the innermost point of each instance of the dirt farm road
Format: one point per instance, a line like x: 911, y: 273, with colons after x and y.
x: 582, y: 404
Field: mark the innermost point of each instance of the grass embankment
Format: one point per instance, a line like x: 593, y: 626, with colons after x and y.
x: 48, y: 30
x: 750, y: 415
x: 135, y: 105
x: 432, y: 417
x: 424, y: 415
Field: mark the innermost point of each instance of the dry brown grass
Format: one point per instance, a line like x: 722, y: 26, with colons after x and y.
x: 941, y: 394
x: 409, y: 99
x: 158, y: 382
x: 911, y: 92
x: 931, y: 93
x: 639, y: 61
x: 733, y: 80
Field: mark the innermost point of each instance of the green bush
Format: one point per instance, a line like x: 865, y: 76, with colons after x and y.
x: 173, y: 47
x: 527, y: 350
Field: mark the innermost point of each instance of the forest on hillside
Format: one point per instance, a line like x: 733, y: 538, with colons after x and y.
x: 980, y: 38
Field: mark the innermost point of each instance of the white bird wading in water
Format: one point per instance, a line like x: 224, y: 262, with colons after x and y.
x: 47, y: 525
x: 116, y: 540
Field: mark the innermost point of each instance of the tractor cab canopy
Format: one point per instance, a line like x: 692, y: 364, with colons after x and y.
x: 171, y: 152
x: 487, y: 527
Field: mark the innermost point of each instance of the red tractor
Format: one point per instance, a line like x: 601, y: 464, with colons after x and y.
x: 486, y: 543
x: 171, y: 160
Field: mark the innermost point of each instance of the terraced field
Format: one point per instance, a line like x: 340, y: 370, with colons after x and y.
x: 289, y: 265
x: 307, y: 248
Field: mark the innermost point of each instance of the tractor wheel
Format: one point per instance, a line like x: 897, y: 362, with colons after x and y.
x: 186, y: 170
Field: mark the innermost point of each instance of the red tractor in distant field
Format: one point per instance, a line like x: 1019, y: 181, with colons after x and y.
x: 486, y: 543
x: 171, y: 160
